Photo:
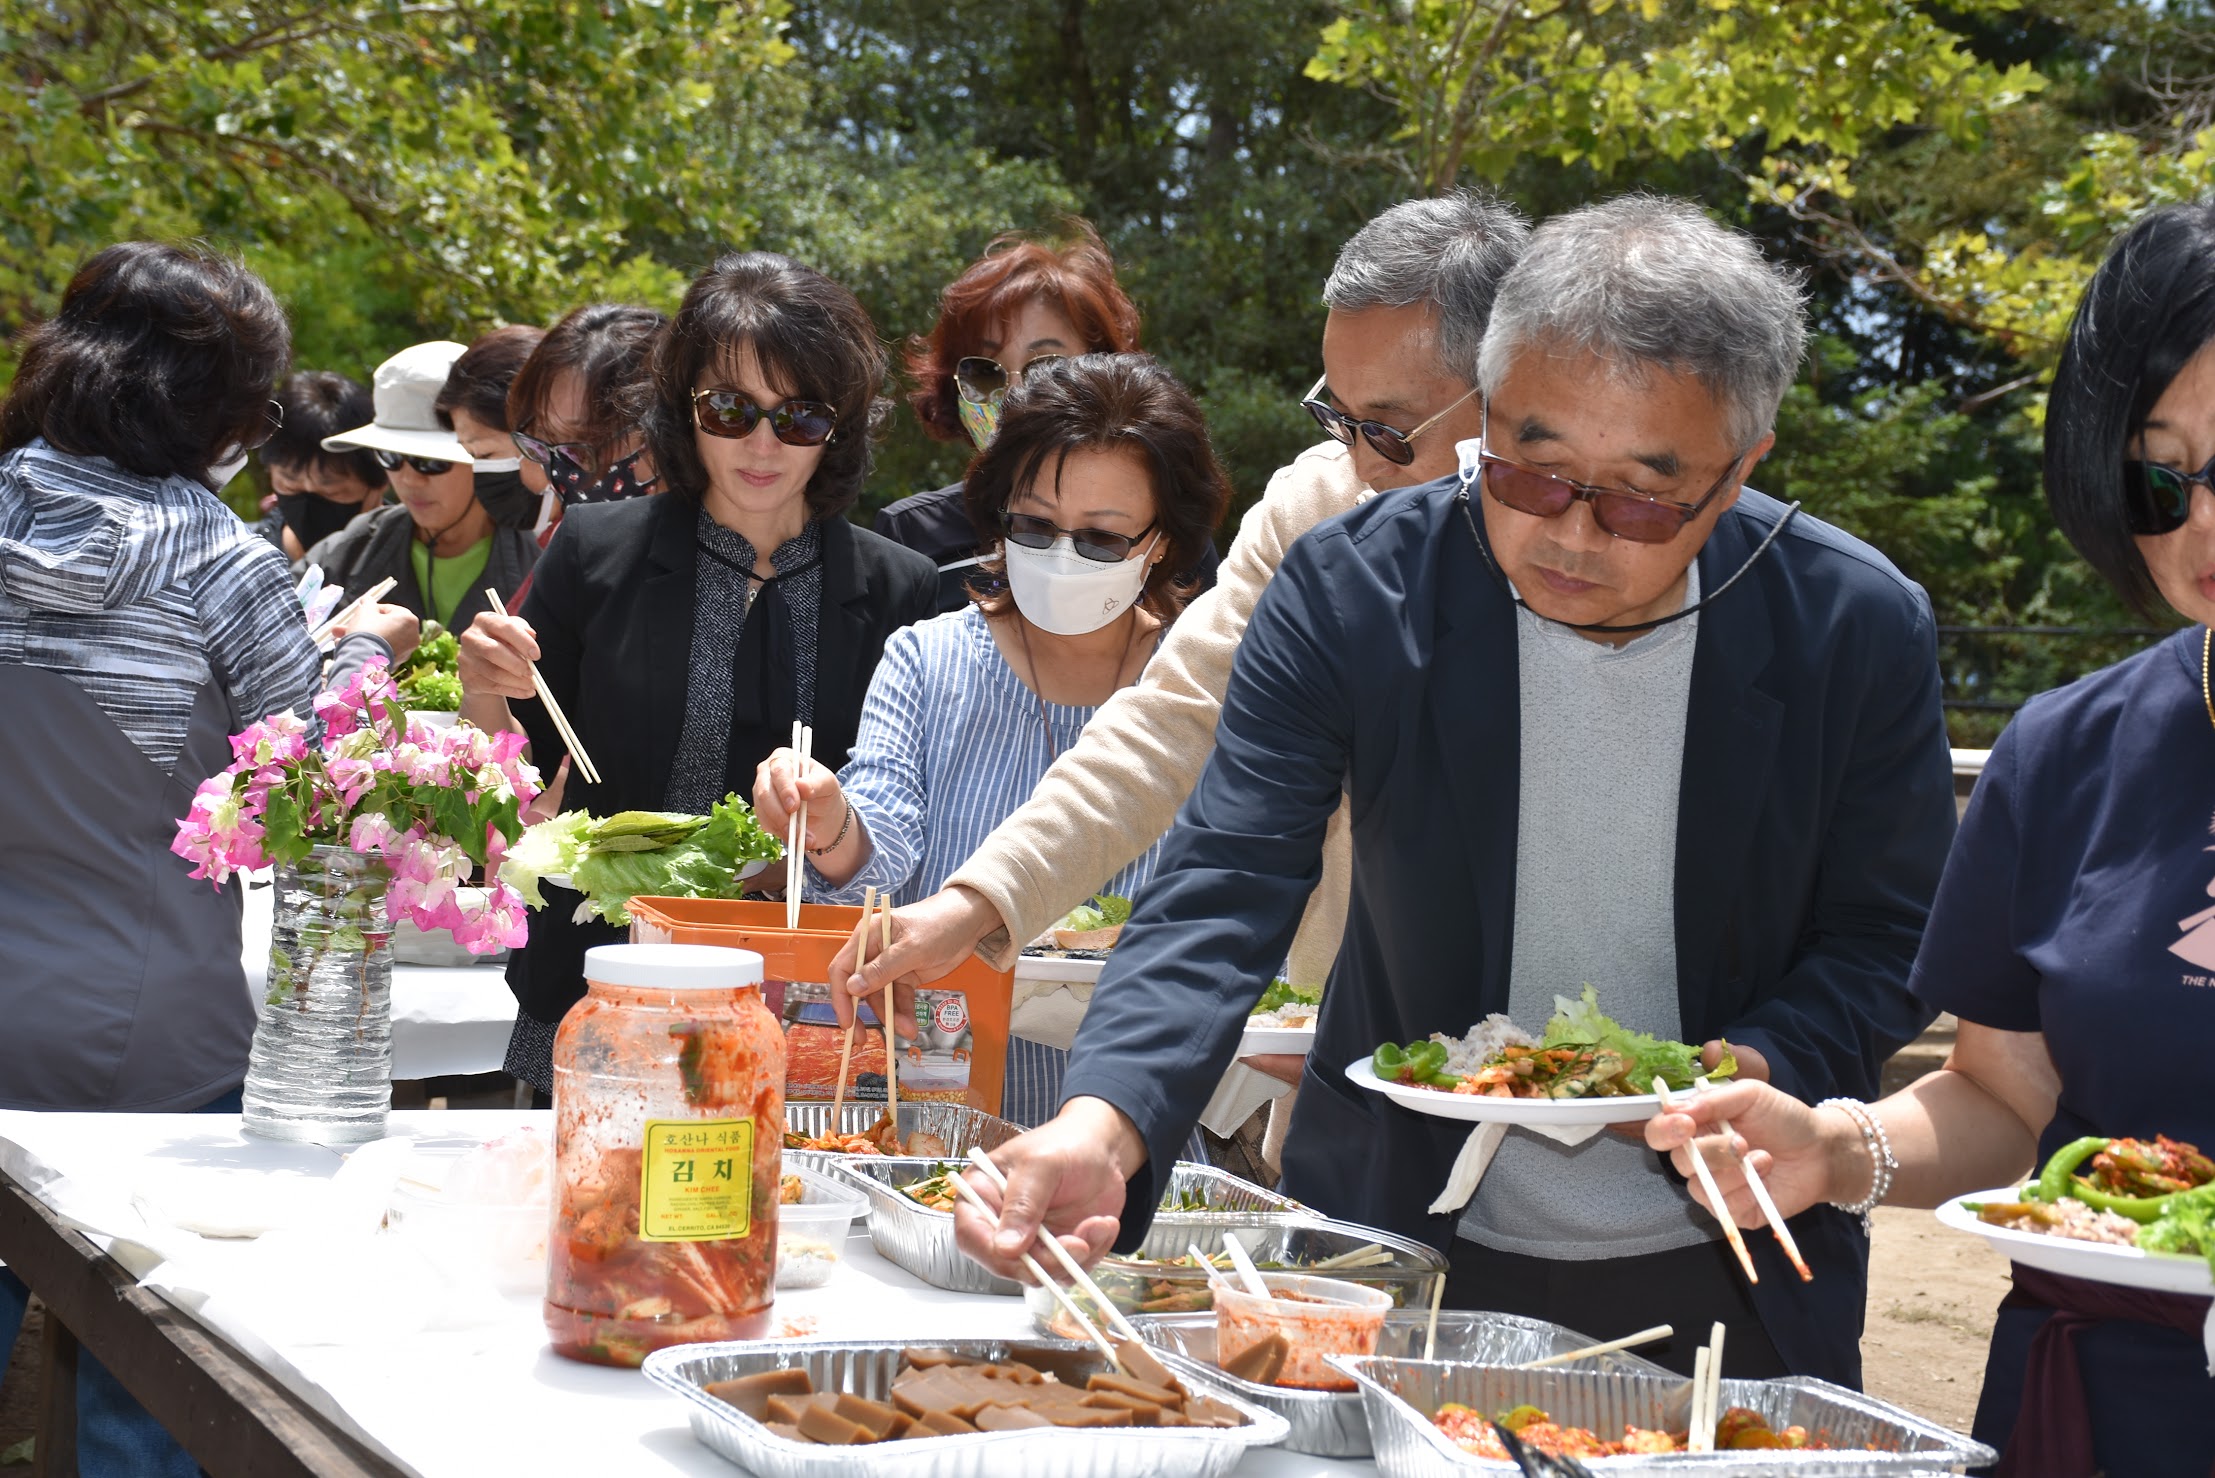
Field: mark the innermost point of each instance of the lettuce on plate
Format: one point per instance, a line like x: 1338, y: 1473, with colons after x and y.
x: 659, y: 854
x: 1105, y: 911
x: 1581, y: 1023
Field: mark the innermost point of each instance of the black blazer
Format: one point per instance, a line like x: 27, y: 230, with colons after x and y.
x: 612, y: 603
x: 1815, y: 810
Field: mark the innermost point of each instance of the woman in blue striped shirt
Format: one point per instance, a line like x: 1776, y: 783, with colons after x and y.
x: 1096, y: 486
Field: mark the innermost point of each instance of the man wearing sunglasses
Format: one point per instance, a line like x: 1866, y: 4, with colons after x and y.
x: 1606, y: 717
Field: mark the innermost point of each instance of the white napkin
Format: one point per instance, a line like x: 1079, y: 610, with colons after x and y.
x: 1476, y: 1157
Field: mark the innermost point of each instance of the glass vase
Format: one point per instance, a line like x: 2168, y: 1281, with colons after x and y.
x: 321, y: 1067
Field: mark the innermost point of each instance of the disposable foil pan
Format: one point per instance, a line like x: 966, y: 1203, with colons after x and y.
x: 911, y: 1234
x: 1196, y: 1191
x: 957, y: 1124
x: 1334, y: 1423
x: 1868, y: 1437
x: 866, y: 1368
x: 1290, y: 1240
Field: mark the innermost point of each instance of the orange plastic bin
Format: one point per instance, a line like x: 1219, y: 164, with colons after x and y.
x: 959, y: 1051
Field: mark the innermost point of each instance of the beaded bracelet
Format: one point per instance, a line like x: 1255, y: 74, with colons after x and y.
x: 1883, y: 1166
x: 844, y: 826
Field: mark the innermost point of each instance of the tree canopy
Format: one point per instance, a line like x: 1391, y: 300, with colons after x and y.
x: 1946, y: 176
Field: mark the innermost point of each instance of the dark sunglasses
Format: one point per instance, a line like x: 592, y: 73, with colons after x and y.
x: 2158, y: 499
x: 1620, y: 513
x: 982, y: 381
x: 1094, y: 544
x: 428, y: 466
x: 795, y: 423
x: 1389, y: 442
x: 543, y: 452
x: 276, y: 424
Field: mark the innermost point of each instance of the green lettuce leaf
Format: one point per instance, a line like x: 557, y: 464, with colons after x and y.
x: 1581, y: 1023
x: 1105, y: 911
x: 659, y: 854
x: 555, y: 847
x: 1284, y: 993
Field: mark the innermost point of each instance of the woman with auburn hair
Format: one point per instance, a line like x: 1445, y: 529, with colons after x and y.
x: 683, y: 633
x: 1023, y: 302
x: 1098, y: 489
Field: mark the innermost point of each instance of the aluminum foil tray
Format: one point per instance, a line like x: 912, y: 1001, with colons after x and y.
x: 1200, y: 1191
x: 911, y: 1234
x: 1334, y: 1423
x: 959, y: 1125
x: 1871, y: 1437
x: 866, y: 1368
x: 1271, y: 1237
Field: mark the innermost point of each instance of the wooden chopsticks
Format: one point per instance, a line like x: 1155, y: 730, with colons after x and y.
x: 1762, y: 1199
x: 846, y: 1047
x: 1077, y: 1274
x: 884, y: 1019
x: 1714, y: 1196
x: 1628, y: 1341
x: 585, y: 766
x: 368, y: 597
x: 1707, y: 1393
x: 796, y: 832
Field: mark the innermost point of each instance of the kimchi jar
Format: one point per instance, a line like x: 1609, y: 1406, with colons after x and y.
x: 668, y: 1132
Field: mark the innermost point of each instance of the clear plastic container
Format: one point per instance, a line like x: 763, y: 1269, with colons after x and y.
x: 812, y: 1232
x: 1316, y: 1316
x: 668, y: 1125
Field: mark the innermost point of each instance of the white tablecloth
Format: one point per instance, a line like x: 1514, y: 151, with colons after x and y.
x: 464, y: 1401
x: 446, y: 1020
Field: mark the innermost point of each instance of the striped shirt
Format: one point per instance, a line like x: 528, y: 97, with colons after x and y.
x: 140, y: 591
x: 951, y: 741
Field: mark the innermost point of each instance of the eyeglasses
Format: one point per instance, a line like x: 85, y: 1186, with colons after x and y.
x: 1389, y: 442
x: 428, y: 466
x: 981, y: 381
x: 1094, y: 544
x: 1622, y: 514
x: 276, y: 424
x: 2158, y: 499
x: 795, y: 423
x: 577, y: 453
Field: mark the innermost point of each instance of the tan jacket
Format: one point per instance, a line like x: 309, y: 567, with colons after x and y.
x: 1109, y: 798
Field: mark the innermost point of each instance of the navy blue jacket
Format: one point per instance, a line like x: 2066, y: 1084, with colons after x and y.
x: 1816, y: 809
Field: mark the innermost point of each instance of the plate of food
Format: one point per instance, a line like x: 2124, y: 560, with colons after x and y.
x: 1586, y: 1069
x: 1283, y: 1020
x: 2135, y: 1212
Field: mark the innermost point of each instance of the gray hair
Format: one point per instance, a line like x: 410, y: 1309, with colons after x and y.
x: 1648, y: 281
x: 1450, y: 251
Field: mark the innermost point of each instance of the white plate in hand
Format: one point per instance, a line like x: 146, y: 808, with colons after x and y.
x: 2100, y: 1262
x: 1475, y: 1109
x: 1289, y: 1041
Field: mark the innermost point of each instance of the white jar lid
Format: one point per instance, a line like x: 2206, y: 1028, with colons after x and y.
x: 673, y: 966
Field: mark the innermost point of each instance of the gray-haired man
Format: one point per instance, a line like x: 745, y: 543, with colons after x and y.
x: 1604, y: 716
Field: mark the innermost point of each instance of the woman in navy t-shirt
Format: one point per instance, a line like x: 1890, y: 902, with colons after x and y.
x: 2074, y: 930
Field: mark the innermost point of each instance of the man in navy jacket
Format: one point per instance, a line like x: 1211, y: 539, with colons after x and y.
x: 1604, y: 716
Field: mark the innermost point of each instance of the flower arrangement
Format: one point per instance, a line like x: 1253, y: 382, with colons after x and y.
x: 437, y: 804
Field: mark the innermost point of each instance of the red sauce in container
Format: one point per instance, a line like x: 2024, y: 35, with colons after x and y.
x: 668, y: 1132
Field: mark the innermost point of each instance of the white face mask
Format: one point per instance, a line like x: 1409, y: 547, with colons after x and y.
x: 223, y: 471
x: 1060, y: 591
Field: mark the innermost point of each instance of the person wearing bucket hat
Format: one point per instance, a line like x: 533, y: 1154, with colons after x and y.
x: 439, y: 543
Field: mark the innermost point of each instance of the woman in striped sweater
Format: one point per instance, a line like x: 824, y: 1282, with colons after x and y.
x: 1098, y: 486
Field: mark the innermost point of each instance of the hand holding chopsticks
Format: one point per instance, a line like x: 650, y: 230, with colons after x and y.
x: 585, y: 766
x: 1715, y: 1200
x: 1077, y: 1275
x: 1754, y: 1184
x: 1030, y: 1265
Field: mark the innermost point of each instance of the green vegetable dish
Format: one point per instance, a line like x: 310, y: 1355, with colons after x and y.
x: 657, y: 854
x: 1584, y: 1054
x: 429, y: 679
x: 2157, y: 1195
x: 1105, y: 911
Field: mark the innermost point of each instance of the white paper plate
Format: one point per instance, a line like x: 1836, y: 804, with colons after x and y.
x: 1469, y: 1108
x: 1295, y: 1041
x: 2101, y: 1262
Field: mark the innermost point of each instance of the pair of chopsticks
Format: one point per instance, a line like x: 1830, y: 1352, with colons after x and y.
x: 369, y: 597
x: 869, y: 901
x: 1608, y: 1347
x: 1707, y: 1393
x: 796, y: 831
x: 1754, y: 1183
x: 585, y: 766
x: 1077, y: 1275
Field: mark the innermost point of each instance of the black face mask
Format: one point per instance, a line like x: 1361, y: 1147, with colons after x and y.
x: 621, y: 480
x: 312, y: 518
x: 511, y: 504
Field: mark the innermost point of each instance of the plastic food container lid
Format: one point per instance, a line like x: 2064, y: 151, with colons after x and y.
x: 673, y: 966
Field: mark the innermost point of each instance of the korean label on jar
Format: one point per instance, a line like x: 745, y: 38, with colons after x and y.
x: 696, y: 1180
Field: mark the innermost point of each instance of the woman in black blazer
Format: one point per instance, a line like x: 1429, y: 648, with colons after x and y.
x: 683, y: 633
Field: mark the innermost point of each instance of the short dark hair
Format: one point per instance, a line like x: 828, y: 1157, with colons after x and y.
x: 320, y: 403
x: 159, y: 359
x: 811, y: 337
x: 1075, y: 274
x: 1100, y: 402
x: 606, y: 345
x: 2149, y: 308
x: 478, y: 383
